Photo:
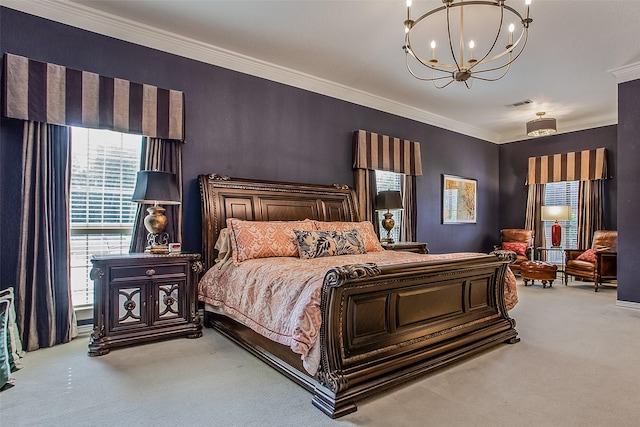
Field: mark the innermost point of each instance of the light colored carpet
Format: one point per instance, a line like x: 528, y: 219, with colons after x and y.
x: 577, y: 365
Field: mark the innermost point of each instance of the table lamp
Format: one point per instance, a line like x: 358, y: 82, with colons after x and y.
x: 156, y: 187
x: 556, y: 213
x: 387, y: 200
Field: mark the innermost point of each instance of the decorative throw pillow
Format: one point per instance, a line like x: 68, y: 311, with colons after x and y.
x: 264, y: 239
x: 518, y: 247
x: 315, y: 244
x: 588, y: 255
x: 365, y: 228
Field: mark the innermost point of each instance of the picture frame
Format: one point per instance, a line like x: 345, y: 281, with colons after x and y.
x: 459, y: 200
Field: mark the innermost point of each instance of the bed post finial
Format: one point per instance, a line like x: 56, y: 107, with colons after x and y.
x: 338, y: 275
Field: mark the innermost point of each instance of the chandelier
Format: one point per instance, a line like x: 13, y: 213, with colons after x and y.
x: 482, y: 47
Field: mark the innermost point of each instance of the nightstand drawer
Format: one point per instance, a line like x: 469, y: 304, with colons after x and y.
x: 150, y: 270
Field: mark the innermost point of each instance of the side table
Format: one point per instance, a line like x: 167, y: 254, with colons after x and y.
x: 546, y: 251
x: 142, y: 297
x: 416, y: 247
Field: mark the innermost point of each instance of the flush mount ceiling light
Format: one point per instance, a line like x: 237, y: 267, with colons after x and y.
x: 541, y: 126
x: 482, y: 26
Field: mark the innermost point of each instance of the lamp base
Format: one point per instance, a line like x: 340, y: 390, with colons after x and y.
x: 556, y: 234
x: 388, y: 223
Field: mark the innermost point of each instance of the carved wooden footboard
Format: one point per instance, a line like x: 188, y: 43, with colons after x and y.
x: 381, y: 326
x: 391, y: 324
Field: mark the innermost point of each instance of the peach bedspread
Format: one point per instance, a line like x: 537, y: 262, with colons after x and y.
x: 280, y: 297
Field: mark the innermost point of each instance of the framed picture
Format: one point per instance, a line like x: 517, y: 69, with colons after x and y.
x: 459, y: 200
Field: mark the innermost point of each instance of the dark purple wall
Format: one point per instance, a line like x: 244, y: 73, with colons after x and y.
x: 514, y: 162
x: 244, y: 126
x: 628, y: 200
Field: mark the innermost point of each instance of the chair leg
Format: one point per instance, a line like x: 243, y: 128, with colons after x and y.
x: 595, y: 285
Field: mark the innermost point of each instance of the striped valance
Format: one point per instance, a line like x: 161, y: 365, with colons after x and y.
x: 51, y: 93
x: 381, y: 152
x: 576, y: 166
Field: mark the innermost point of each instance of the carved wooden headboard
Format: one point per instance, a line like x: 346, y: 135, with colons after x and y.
x: 223, y: 197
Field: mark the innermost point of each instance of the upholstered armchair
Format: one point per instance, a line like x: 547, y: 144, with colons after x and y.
x: 598, y: 263
x: 519, y: 241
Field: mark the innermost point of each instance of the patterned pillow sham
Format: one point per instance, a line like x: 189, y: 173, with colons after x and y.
x: 264, y: 239
x: 316, y: 243
x: 365, y: 228
x: 588, y: 255
x: 518, y: 247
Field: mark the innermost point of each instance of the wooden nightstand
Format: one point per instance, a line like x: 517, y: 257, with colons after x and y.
x: 142, y: 297
x: 419, y: 248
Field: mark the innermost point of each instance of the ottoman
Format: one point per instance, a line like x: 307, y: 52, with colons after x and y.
x: 538, y: 270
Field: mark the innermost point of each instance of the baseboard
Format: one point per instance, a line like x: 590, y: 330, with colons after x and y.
x: 628, y: 304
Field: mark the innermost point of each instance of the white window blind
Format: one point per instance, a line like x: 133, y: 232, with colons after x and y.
x: 563, y: 193
x: 386, y: 181
x: 103, y: 176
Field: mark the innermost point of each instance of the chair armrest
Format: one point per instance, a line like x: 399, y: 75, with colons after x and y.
x: 606, y: 264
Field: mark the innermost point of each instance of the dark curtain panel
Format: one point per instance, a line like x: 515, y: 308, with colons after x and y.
x: 533, y: 217
x: 590, y: 211
x: 365, y: 187
x: 161, y: 155
x: 408, y: 229
x: 44, y: 310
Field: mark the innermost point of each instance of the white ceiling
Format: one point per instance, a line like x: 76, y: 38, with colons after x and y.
x: 578, y: 50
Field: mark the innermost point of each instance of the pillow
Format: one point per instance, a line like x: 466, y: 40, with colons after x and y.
x: 5, y: 369
x: 264, y: 239
x: 13, y: 334
x: 365, y: 229
x: 316, y: 243
x: 519, y: 248
x: 588, y: 255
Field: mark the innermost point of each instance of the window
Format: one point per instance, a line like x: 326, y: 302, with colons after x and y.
x: 103, y: 175
x: 562, y: 194
x: 389, y: 181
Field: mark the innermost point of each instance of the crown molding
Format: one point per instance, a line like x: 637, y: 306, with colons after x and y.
x: 626, y: 73
x: 83, y: 17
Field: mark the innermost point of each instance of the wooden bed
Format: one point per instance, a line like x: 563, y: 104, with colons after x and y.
x: 381, y: 326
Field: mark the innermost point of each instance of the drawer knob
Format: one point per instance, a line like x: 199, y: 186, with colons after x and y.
x: 151, y: 272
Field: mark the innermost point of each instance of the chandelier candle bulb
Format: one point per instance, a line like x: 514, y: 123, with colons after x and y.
x: 511, y: 28
x: 433, y: 51
x: 472, y: 45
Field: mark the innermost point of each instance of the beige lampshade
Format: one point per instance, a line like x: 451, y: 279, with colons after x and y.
x: 556, y: 213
